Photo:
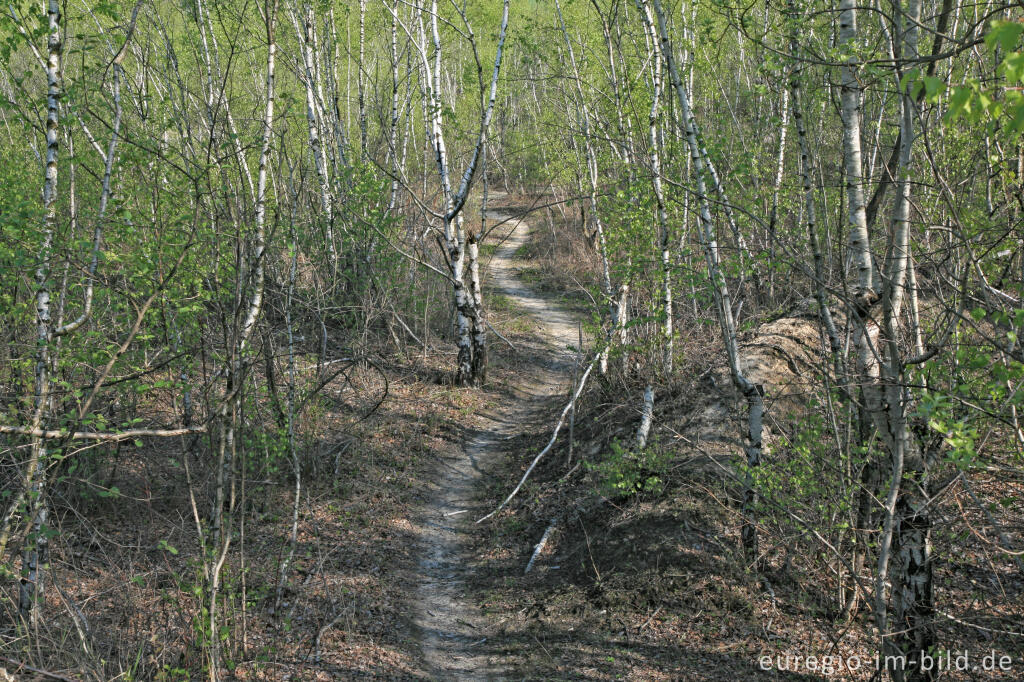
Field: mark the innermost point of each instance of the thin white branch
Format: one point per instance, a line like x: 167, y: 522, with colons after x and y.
x: 554, y: 436
x: 55, y: 434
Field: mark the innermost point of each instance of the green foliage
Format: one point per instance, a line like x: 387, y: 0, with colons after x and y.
x: 167, y: 547
x: 980, y: 102
x: 810, y: 472
x: 978, y: 377
x: 624, y: 472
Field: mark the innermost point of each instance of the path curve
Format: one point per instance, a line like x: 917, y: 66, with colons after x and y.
x: 454, y: 637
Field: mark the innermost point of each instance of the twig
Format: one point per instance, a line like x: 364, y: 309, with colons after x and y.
x: 496, y: 333
x: 648, y: 621
x: 572, y: 414
x: 96, y: 435
x: 321, y: 631
x: 540, y: 545
x: 590, y: 551
x: 407, y: 330
x: 547, y: 448
x: 39, y: 671
x: 544, y: 648
x: 979, y: 627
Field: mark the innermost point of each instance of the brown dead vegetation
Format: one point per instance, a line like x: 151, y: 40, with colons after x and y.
x: 125, y: 558
x: 651, y: 584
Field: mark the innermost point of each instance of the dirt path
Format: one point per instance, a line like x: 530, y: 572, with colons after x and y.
x: 454, y: 634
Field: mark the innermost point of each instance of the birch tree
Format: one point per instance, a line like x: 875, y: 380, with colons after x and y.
x: 654, y: 143
x: 454, y: 197
x: 719, y: 286
x: 31, y: 499
x: 304, y: 31
x: 34, y: 486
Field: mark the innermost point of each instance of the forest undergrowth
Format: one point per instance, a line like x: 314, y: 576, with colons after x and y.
x: 248, y: 344
x: 127, y: 552
x: 643, y: 576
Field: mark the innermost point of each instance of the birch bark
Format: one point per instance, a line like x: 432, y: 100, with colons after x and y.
x: 455, y: 239
x: 863, y: 294
x: 654, y: 144
x: 780, y: 166
x: 361, y: 82
x: 34, y: 488
x: 850, y: 103
x: 719, y: 286
x: 913, y: 601
x: 304, y: 32
x: 237, y: 362
x: 806, y: 173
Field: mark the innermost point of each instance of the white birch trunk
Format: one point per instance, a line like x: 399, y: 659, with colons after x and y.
x: 780, y: 166
x: 592, y: 171
x: 626, y: 151
x: 643, y: 431
x: 810, y: 210
x: 237, y: 362
x: 466, y: 311
x: 361, y: 82
x: 719, y: 286
x: 913, y: 600
x: 396, y: 164
x: 304, y: 33
x: 850, y: 102
x: 340, y: 138
x: 479, y: 328
x: 654, y: 142
x: 34, y: 490
x: 293, y: 535
x: 862, y: 281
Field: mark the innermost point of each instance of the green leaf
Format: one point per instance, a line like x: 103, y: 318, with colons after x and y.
x: 1005, y: 34
x: 960, y: 102
x: 1013, y: 67
x: 933, y: 87
x: 908, y: 78
x: 163, y: 544
x: 112, y: 492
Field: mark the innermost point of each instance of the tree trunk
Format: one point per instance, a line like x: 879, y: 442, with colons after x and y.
x: 455, y: 242
x: 33, y: 496
x: 773, y: 216
x: 304, y: 34
x: 654, y: 143
x: 850, y: 101
x: 751, y: 392
x: 592, y: 171
x: 913, y: 604
x: 237, y: 363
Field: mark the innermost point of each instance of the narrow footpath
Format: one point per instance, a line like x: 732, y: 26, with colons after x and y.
x: 453, y: 632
